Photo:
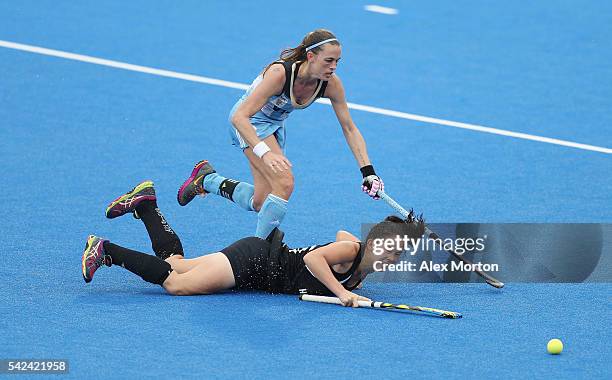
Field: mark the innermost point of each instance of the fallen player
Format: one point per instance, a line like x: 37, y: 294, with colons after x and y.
x: 251, y: 263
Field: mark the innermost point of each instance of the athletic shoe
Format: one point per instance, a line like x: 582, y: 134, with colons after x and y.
x: 193, y: 185
x: 128, y: 202
x: 94, y: 257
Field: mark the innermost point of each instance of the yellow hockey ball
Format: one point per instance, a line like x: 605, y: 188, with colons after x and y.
x: 554, y: 346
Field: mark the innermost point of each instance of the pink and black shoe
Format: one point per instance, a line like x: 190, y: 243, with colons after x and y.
x: 128, y: 202
x: 193, y: 185
x: 94, y: 257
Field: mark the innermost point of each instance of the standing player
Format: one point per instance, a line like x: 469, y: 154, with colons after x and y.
x: 250, y: 263
x: 303, y: 74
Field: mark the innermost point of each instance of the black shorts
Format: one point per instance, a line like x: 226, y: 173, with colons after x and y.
x: 249, y: 258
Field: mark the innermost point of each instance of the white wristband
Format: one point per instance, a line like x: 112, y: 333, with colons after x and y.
x: 260, y: 149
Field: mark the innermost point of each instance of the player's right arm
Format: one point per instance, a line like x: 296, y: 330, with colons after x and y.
x: 271, y: 84
x: 319, y: 263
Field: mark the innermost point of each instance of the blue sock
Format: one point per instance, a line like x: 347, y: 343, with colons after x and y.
x: 270, y: 216
x: 240, y: 193
x: 212, y: 182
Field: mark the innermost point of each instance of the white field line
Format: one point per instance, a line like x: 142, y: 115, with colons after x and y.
x: 379, y: 9
x: 241, y: 86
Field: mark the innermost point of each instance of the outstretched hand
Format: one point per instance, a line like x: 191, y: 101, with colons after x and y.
x: 351, y: 299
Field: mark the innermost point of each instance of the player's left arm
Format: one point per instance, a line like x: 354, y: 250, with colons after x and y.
x: 335, y: 93
x: 320, y: 261
x: 346, y: 236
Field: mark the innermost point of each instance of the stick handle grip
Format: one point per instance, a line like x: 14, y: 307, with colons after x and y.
x: 332, y: 300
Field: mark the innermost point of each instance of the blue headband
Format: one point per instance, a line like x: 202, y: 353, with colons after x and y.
x: 320, y: 43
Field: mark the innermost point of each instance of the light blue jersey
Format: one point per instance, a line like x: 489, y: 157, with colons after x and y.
x: 270, y: 119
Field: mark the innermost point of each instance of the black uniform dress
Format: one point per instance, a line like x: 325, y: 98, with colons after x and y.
x: 269, y: 265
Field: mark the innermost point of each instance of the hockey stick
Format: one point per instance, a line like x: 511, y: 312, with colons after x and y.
x: 432, y: 235
x: 384, y: 305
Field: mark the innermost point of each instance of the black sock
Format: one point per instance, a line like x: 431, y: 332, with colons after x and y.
x: 152, y: 269
x: 164, y: 241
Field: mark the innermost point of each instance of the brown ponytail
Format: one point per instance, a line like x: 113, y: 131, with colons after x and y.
x: 298, y: 53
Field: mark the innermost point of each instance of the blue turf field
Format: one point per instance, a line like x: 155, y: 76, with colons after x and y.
x: 76, y: 135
